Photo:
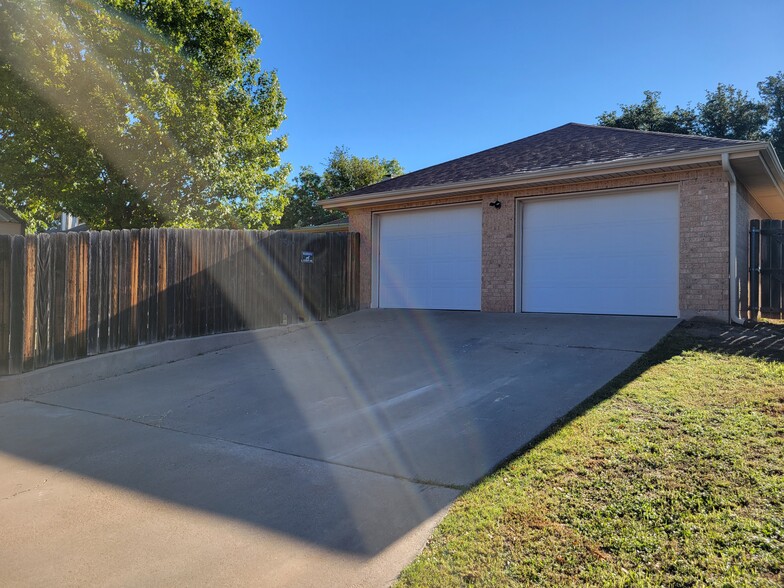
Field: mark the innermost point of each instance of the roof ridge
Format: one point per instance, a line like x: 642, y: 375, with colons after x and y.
x: 646, y: 132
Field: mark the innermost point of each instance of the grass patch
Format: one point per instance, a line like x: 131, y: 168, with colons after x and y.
x: 674, y: 475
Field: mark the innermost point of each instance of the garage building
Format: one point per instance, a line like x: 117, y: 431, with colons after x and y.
x: 578, y: 219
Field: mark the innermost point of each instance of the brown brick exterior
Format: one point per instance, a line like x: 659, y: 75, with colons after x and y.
x: 704, y: 240
x: 498, y: 253
x: 704, y: 247
x: 359, y: 221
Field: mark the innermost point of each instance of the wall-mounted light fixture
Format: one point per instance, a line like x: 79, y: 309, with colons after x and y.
x: 496, y: 204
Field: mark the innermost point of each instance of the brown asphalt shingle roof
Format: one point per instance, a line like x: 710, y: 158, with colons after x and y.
x: 564, y: 146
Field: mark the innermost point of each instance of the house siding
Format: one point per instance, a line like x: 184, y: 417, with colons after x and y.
x: 11, y: 228
x: 704, y: 238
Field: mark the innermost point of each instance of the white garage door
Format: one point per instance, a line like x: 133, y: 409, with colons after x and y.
x: 609, y: 254
x: 430, y: 258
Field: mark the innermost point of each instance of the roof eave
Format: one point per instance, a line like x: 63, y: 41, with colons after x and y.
x: 342, y: 228
x: 774, y: 167
x: 13, y: 217
x: 570, y: 173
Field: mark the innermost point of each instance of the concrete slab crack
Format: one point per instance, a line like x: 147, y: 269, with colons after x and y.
x: 590, y: 347
x: 160, y: 426
x: 26, y: 490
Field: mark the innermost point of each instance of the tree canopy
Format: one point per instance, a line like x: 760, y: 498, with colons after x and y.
x: 650, y: 115
x: 343, y: 173
x: 771, y: 91
x: 727, y: 112
x: 133, y: 113
x: 731, y: 114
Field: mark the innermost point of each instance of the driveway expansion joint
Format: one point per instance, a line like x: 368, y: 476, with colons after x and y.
x: 417, y: 481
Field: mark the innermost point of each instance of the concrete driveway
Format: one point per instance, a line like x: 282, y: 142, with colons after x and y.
x: 323, y: 456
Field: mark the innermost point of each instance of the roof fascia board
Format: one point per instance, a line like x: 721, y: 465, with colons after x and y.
x: 332, y: 229
x: 773, y: 168
x: 570, y: 173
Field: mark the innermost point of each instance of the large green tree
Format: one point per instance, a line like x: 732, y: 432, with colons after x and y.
x: 343, y: 173
x: 303, y: 195
x: 772, y: 93
x: 651, y: 115
x: 727, y: 112
x: 133, y: 113
x: 730, y: 113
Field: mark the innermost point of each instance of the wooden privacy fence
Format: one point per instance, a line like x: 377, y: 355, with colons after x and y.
x: 66, y: 296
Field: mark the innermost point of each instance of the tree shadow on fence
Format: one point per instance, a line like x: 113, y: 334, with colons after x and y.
x: 74, y: 295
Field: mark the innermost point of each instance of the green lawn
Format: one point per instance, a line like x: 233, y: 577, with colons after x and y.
x: 674, y: 475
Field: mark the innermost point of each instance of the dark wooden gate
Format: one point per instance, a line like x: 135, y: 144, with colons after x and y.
x: 766, y: 268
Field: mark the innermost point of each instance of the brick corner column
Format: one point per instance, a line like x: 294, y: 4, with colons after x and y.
x: 360, y: 221
x: 498, y: 254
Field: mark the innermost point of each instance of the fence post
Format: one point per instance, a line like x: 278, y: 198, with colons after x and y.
x: 754, y: 269
x: 5, y: 302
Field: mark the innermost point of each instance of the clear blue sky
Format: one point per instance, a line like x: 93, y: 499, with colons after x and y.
x: 426, y: 81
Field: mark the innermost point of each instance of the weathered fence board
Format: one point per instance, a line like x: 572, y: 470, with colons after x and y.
x: 57, y: 303
x: 28, y: 343
x: 103, y: 295
x: 71, y: 295
x: 71, y: 306
x: 43, y: 308
x: 18, y: 275
x: 5, y: 303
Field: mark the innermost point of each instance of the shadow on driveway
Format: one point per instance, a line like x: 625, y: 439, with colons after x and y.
x: 345, y: 435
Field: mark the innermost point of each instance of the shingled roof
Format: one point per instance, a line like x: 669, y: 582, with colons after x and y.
x: 565, y: 146
x: 7, y: 216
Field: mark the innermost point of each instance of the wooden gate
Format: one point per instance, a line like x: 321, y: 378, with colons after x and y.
x: 766, y: 268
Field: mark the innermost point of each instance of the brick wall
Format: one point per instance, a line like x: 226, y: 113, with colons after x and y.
x: 704, y: 246
x: 704, y: 237
x: 498, y: 253
x: 359, y: 221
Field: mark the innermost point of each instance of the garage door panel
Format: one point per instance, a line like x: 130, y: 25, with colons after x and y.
x: 614, y: 236
x: 593, y: 300
x: 441, y: 246
x: 430, y: 258
x: 591, y: 210
x: 607, y: 254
